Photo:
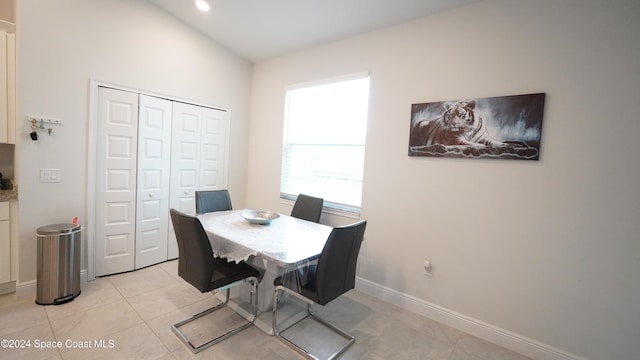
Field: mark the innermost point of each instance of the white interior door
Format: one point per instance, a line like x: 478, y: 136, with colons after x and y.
x: 213, y: 149
x: 185, y: 164
x: 154, y: 167
x: 116, y: 158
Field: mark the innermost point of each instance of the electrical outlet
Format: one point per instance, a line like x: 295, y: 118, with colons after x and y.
x: 428, y: 268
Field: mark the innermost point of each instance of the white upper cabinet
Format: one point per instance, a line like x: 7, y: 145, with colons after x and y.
x: 7, y: 87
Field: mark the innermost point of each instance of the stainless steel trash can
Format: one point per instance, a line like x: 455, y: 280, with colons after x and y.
x: 58, y: 277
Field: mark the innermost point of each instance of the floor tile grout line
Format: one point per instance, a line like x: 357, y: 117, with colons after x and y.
x: 145, y: 320
x: 144, y: 292
x: 159, y: 339
x: 55, y: 338
x: 94, y: 308
x: 158, y: 335
x: 90, y: 307
x: 178, y: 308
x: 127, y: 299
x: 121, y: 297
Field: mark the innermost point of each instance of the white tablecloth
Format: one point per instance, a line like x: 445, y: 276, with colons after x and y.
x: 286, y: 241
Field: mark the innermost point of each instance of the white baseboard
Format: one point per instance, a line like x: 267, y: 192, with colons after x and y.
x: 8, y: 287
x: 23, y: 287
x: 28, y: 285
x: 507, y: 339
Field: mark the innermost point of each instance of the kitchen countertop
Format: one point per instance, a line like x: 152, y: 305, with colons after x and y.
x: 11, y: 194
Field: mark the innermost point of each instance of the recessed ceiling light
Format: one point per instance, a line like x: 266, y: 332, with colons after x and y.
x: 202, y: 5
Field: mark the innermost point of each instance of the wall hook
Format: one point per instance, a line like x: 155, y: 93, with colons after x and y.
x: 37, y: 123
x: 33, y: 134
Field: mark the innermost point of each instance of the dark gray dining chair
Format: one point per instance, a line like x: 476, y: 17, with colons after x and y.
x: 212, y: 200
x: 198, y: 266
x: 307, y: 208
x: 332, y: 276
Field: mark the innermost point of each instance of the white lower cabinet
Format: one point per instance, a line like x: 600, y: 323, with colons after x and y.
x: 5, y: 243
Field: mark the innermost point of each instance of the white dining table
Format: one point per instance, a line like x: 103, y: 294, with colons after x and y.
x: 278, y: 247
x: 286, y: 241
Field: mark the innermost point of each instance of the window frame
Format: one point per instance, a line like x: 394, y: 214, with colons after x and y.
x: 331, y: 207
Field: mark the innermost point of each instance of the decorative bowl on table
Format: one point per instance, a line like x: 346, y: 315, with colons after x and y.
x: 260, y: 217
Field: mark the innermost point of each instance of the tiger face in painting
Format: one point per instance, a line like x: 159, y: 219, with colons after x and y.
x: 460, y: 124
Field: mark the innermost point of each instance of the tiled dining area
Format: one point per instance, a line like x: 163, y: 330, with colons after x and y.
x: 130, y: 315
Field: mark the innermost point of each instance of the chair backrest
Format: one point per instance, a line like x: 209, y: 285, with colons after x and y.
x: 195, y: 256
x: 307, y: 208
x: 212, y: 200
x: 336, y: 271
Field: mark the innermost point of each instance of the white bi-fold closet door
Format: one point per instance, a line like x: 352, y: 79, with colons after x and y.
x: 198, y: 158
x: 152, y: 154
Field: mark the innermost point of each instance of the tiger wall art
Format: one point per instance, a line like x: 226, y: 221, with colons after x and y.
x: 504, y: 127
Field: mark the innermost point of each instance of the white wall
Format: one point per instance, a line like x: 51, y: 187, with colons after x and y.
x: 62, y: 44
x: 547, y: 249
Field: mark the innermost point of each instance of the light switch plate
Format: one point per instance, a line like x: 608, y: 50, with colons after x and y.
x: 48, y: 175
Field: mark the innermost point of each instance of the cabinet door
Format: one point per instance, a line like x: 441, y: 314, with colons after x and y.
x: 5, y: 243
x: 11, y: 88
x: 154, y: 149
x: 7, y: 88
x: 4, y: 95
x: 116, y: 158
x: 5, y: 252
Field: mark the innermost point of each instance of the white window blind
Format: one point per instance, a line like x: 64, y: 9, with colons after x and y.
x: 324, y: 141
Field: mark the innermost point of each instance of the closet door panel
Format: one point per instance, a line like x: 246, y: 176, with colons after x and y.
x: 213, y: 149
x: 154, y: 167
x: 185, y: 163
x: 116, y: 158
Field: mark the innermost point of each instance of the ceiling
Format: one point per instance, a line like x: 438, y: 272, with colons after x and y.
x: 262, y: 29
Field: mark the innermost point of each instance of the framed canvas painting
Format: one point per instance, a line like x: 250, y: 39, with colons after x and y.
x: 504, y: 127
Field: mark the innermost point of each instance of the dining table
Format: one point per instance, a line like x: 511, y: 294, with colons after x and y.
x: 276, y: 247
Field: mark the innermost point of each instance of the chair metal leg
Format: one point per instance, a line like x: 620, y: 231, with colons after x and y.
x: 350, y: 338
x: 196, y: 349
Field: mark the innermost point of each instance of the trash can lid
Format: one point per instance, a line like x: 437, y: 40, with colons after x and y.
x: 58, y: 229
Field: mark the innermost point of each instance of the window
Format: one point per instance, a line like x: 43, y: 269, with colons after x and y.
x: 325, y: 127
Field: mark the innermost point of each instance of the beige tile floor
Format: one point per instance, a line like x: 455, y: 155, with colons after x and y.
x: 131, y: 313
